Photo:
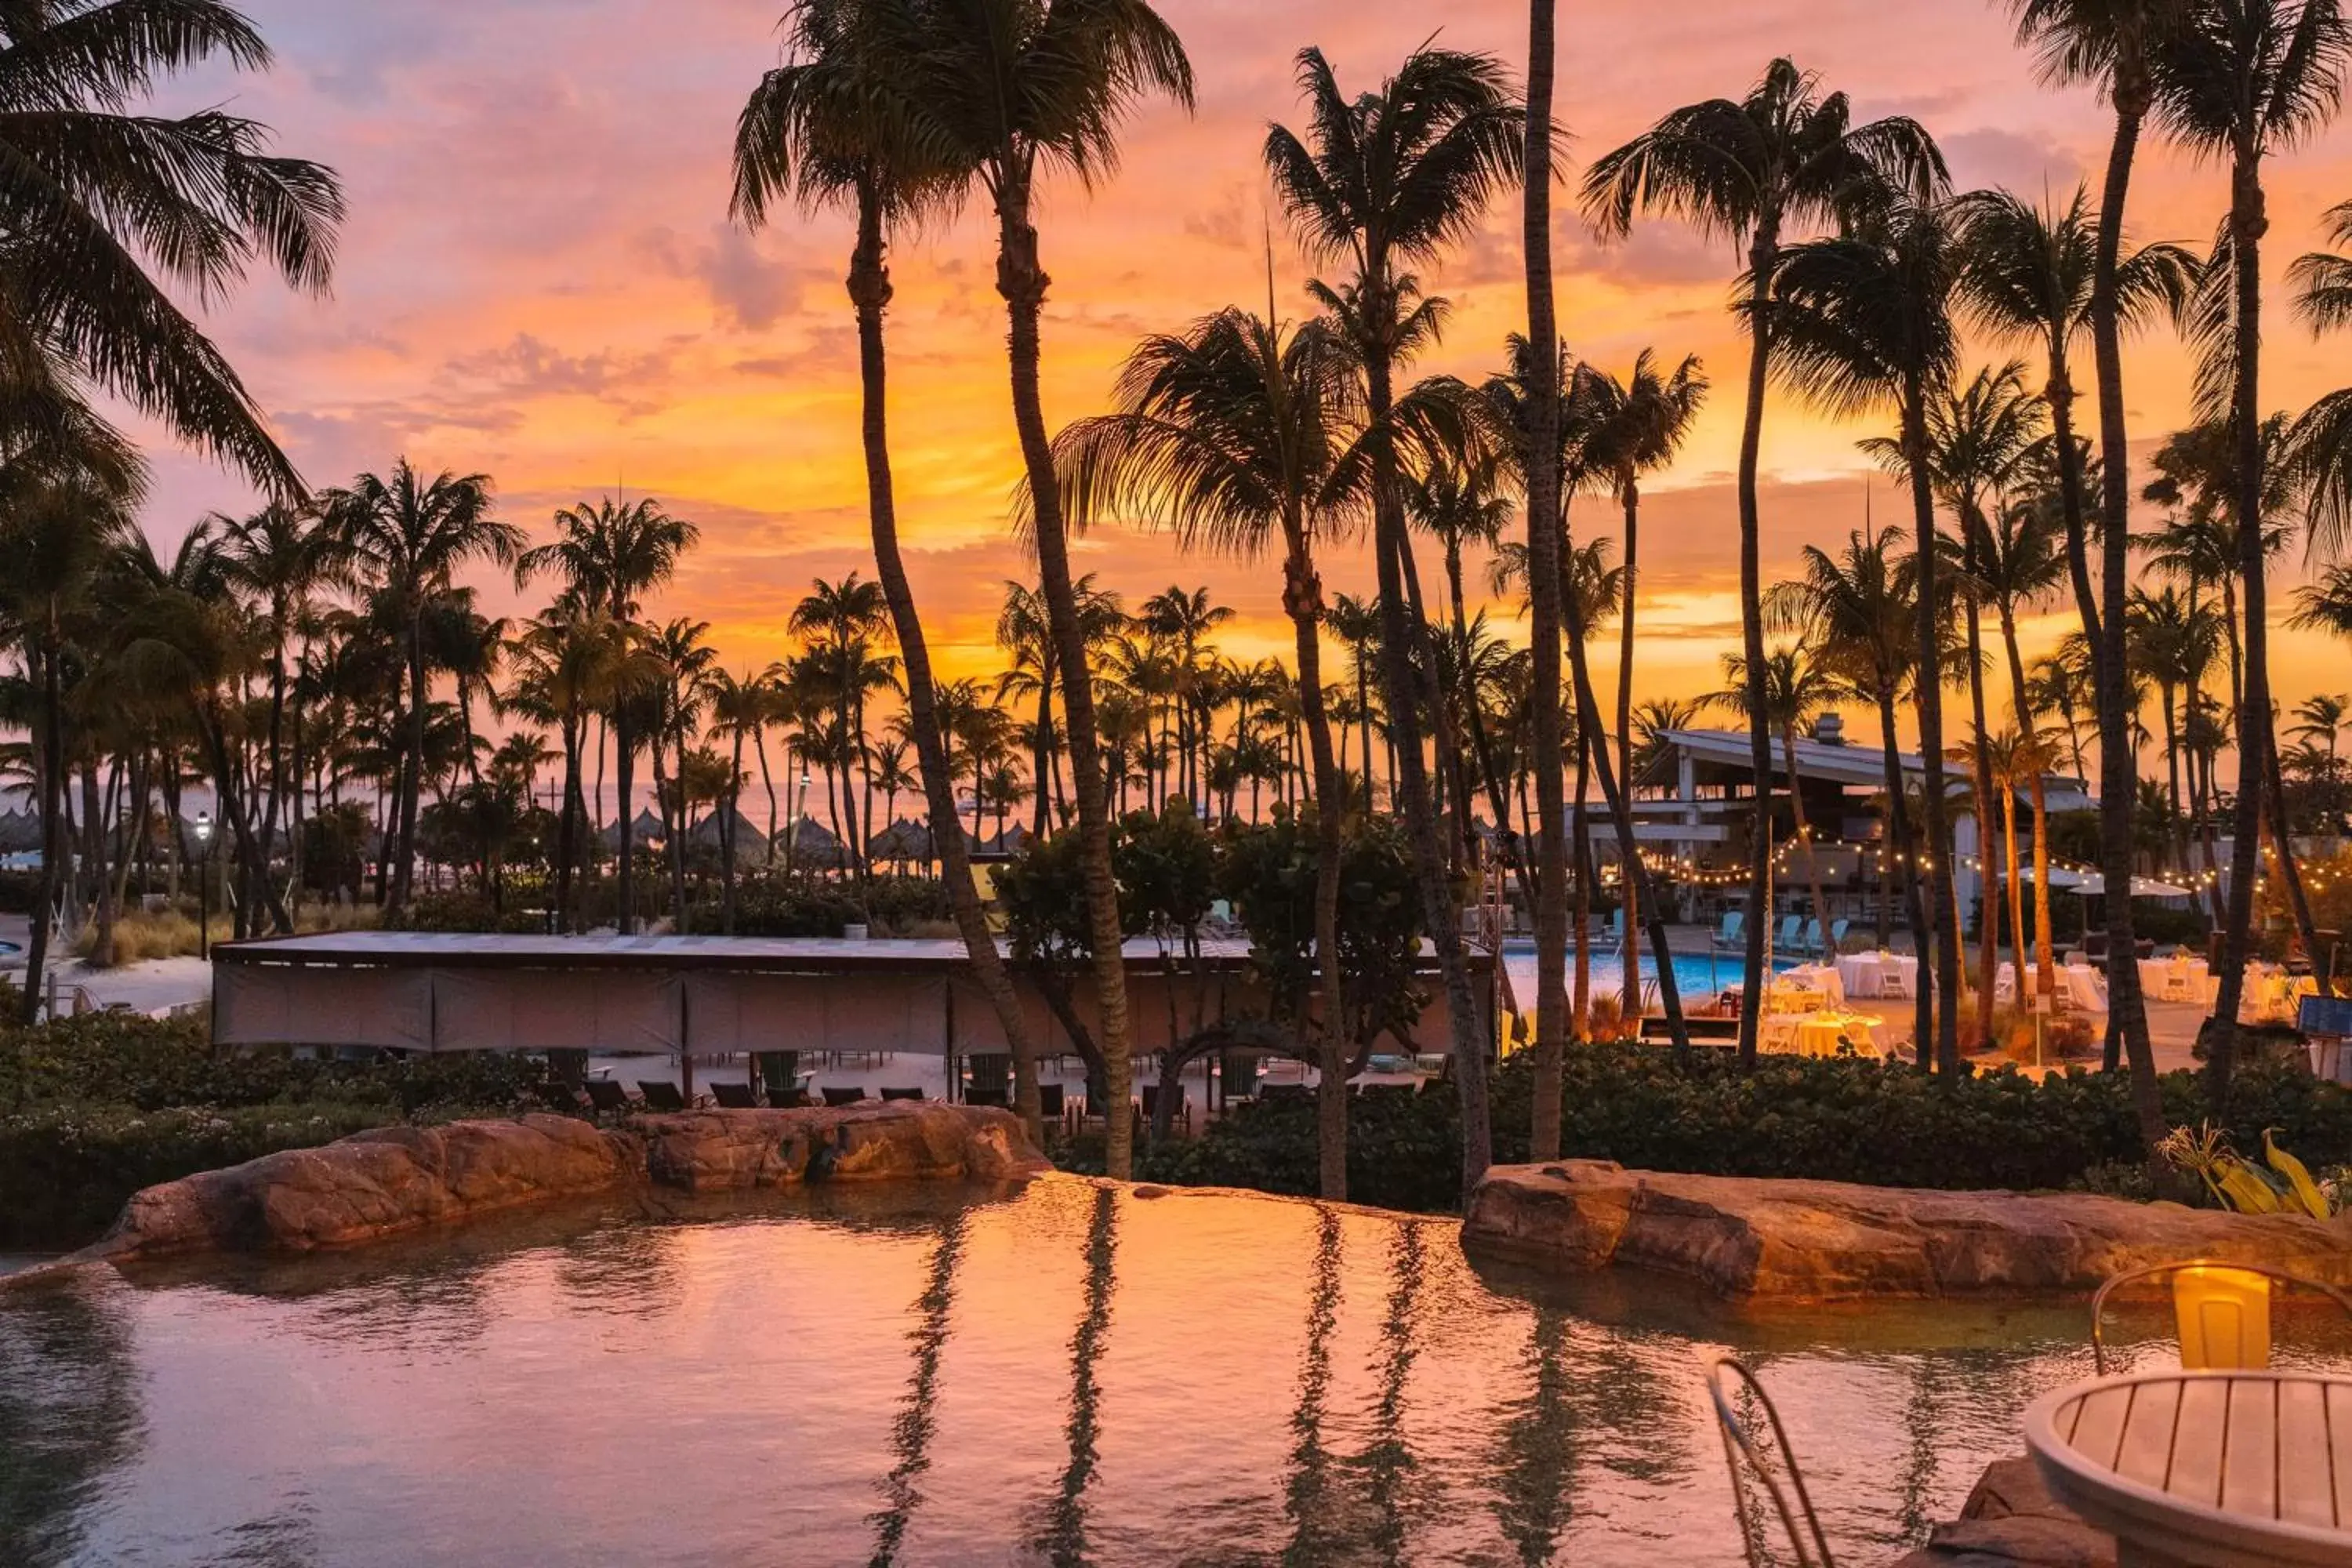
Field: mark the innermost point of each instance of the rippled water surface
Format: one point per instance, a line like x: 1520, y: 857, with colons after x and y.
x: 1064, y: 1375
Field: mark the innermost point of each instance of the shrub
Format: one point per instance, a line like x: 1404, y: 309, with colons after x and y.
x: 65, y: 1170
x: 469, y: 912
x: 1829, y: 1120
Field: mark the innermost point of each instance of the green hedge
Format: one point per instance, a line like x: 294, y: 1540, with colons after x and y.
x: 1829, y: 1120
x: 67, y: 1171
x: 94, y: 1108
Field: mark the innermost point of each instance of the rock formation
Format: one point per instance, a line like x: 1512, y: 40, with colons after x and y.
x: 396, y: 1179
x: 1747, y: 1238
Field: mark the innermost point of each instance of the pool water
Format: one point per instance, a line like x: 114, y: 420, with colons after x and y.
x: 1696, y: 974
x: 1069, y: 1374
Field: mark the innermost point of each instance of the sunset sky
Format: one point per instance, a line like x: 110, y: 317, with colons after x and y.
x: 539, y: 280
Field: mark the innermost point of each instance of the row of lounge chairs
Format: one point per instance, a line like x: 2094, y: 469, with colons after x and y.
x: 1797, y: 935
x: 609, y: 1097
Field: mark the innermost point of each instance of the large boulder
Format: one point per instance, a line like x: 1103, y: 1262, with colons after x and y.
x: 376, y: 1183
x: 725, y: 1150
x: 1744, y: 1237
x: 393, y: 1179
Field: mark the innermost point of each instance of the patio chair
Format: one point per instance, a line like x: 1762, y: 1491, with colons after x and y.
x: 2221, y: 1308
x: 794, y: 1098
x: 1052, y: 1102
x: 660, y: 1094
x: 1764, y: 1471
x: 606, y: 1097
x: 1237, y: 1075
x: 1810, y: 941
x: 1180, y: 1117
x: 1838, y: 928
x: 989, y: 1072
x: 836, y: 1095
x: 1730, y: 933
x: 735, y: 1096
x: 902, y: 1094
x: 1792, y: 928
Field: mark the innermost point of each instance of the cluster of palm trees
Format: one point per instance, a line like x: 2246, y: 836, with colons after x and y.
x: 327, y: 646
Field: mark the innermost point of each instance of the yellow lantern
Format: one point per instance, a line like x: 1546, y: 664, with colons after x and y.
x: 2225, y: 1318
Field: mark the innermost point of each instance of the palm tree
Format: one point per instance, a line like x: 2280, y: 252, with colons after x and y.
x: 1860, y: 609
x: 2243, y: 78
x: 1240, y: 437
x: 2021, y: 561
x: 610, y: 555
x: 1863, y: 321
x: 2108, y: 44
x: 409, y: 536
x: 1018, y: 88
x: 1786, y: 156
x: 1357, y: 624
x: 100, y: 201
x: 2026, y: 275
x: 1628, y: 429
x: 840, y: 122
x: 739, y: 710
x: 1390, y: 178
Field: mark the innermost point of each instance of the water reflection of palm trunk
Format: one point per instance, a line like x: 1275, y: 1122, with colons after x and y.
x: 1538, y: 1461
x: 1388, y: 1460
x: 1063, y: 1539
x: 69, y: 1417
x: 910, y: 1434
x: 1307, y: 1496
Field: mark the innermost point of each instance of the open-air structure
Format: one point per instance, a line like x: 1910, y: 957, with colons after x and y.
x: 712, y: 997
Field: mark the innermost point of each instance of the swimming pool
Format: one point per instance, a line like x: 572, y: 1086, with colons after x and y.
x: 1696, y: 974
x: 1069, y: 1374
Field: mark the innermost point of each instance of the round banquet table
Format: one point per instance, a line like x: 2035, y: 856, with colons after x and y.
x: 2205, y: 1470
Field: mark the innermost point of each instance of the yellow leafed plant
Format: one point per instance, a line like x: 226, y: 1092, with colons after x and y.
x: 2305, y: 1194
x: 2237, y: 1183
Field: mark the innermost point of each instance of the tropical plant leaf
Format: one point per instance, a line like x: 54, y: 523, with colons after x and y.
x: 2299, y: 1185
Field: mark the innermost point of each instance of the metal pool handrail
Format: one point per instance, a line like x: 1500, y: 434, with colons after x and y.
x: 2158, y: 1270
x: 1725, y: 1378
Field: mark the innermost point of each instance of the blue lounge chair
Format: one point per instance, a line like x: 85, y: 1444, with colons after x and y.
x: 1728, y: 934
x: 1838, y: 928
x: 1811, y: 941
x: 1790, y: 929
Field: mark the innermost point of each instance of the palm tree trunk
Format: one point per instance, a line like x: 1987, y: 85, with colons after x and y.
x: 1902, y: 849
x: 1762, y: 257
x: 1937, y: 861
x: 48, y: 759
x: 2127, y: 1012
x: 2060, y: 397
x: 2246, y: 224
x: 2044, y: 977
x: 624, y: 779
x: 1545, y: 527
x: 1400, y: 684
x: 1988, y: 922
x: 1805, y: 839
x: 567, y: 826
x: 1022, y: 283
x: 870, y: 291
x: 1303, y: 597
x: 413, y: 769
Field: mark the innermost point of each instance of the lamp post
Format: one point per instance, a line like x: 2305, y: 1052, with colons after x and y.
x: 204, y: 884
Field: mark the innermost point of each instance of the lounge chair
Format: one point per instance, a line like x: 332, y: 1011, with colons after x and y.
x: 991, y: 1072
x: 794, y: 1098
x: 836, y: 1095
x: 902, y: 1094
x: 735, y: 1096
x: 1050, y: 1103
x: 1766, y: 1488
x: 1838, y: 928
x: 606, y: 1097
x: 1792, y: 928
x: 1810, y: 941
x: 1237, y: 1075
x: 660, y: 1094
x: 1730, y: 933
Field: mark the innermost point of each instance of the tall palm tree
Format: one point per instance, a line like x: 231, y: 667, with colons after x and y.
x: 105, y: 208
x: 609, y: 555
x: 2107, y: 44
x: 1860, y: 609
x: 843, y: 617
x: 1240, y: 438
x: 2243, y: 78
x: 2026, y: 275
x: 1390, y: 179
x: 1627, y: 429
x: 569, y: 666
x: 408, y: 536
x: 841, y: 124
x: 1785, y: 157
x: 1018, y: 88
